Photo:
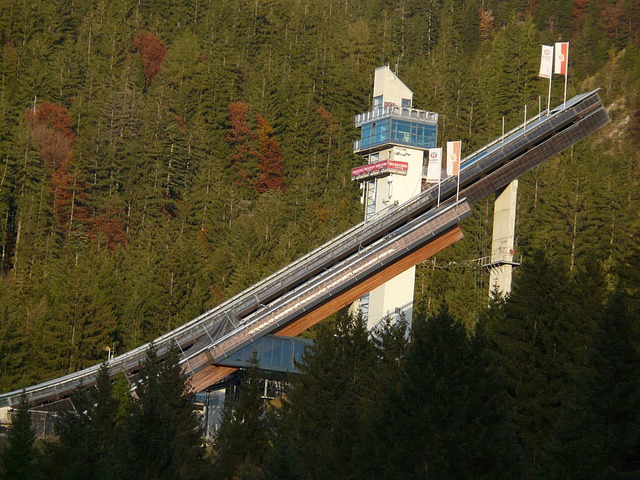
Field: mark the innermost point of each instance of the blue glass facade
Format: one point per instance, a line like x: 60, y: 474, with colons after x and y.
x: 398, y: 132
x: 275, y: 353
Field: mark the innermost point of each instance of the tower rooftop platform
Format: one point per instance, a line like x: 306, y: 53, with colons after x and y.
x: 393, y: 125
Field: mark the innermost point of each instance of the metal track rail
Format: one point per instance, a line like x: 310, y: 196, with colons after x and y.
x: 332, y: 282
x: 482, y: 173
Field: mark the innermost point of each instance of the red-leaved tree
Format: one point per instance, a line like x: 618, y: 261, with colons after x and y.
x: 109, y: 227
x: 257, y: 164
x: 241, y: 139
x: 51, y: 128
x: 270, y: 162
x: 580, y: 9
x: 152, y: 52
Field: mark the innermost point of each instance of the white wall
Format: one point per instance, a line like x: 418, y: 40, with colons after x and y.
x: 397, y: 292
x: 390, y: 87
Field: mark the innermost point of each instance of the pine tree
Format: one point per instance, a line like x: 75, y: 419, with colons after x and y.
x: 597, y: 434
x: 448, y: 418
x: 537, y: 346
x: 87, y: 436
x: 242, y: 441
x: 390, y: 340
x: 161, y: 437
x: 323, y: 416
x: 19, y: 458
x: 497, y: 453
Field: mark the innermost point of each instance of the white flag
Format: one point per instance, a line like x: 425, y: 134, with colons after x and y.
x: 453, y: 158
x: 546, y: 61
x: 561, y: 58
x: 434, y: 167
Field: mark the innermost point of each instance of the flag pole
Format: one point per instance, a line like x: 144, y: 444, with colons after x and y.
x: 454, y: 159
x: 566, y: 77
x: 549, y: 95
x: 539, y: 106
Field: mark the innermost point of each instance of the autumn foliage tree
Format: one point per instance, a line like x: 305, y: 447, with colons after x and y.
x: 260, y: 164
x: 152, y: 53
x: 486, y: 24
x: 51, y: 128
x: 108, y: 227
x: 240, y: 138
x: 270, y: 162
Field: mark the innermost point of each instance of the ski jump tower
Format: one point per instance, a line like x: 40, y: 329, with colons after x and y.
x: 394, y: 138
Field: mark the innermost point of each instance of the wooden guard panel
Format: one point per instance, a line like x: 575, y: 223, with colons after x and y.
x: 446, y: 239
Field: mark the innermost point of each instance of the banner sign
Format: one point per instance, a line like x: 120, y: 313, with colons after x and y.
x: 434, y: 167
x: 546, y: 61
x: 561, y: 58
x: 379, y: 168
x: 453, y: 158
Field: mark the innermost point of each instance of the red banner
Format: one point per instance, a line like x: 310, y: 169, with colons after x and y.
x: 383, y: 166
x: 453, y: 158
x: 562, y: 58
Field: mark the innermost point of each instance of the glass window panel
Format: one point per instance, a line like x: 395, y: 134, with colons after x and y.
x: 287, y: 359
x: 239, y: 355
x: 402, y: 130
x: 298, y: 351
x: 277, y: 352
x: 367, y: 131
x: 382, y: 131
x: 267, y: 351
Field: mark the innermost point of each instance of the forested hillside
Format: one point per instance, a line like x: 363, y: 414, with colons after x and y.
x: 157, y: 157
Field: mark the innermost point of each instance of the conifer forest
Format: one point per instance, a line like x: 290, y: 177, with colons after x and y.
x: 159, y: 157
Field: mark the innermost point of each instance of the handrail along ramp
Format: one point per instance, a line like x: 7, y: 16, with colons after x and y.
x: 482, y: 173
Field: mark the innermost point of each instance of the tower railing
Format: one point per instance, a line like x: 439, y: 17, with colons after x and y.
x: 395, y: 111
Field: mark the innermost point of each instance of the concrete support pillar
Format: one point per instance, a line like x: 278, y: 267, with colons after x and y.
x: 502, y: 245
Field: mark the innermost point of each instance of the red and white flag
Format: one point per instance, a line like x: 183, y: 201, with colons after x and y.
x: 453, y: 158
x: 434, y: 167
x: 561, y: 58
x: 546, y: 61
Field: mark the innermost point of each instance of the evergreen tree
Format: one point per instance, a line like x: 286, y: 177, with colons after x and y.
x: 87, y: 436
x: 498, y: 453
x: 598, y: 432
x: 537, y: 347
x: 448, y: 418
x: 390, y: 339
x: 323, y: 415
x: 161, y: 437
x: 242, y: 441
x: 19, y: 458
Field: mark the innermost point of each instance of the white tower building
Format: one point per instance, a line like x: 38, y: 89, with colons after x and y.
x: 394, y: 138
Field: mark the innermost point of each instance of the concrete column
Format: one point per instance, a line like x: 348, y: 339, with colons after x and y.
x: 502, y: 245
